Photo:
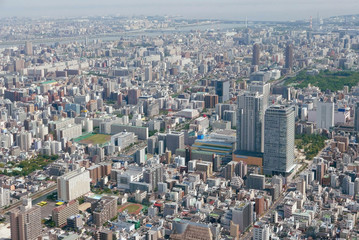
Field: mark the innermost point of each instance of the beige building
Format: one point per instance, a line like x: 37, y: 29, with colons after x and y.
x: 105, y: 210
x: 194, y: 231
x: 26, y: 222
x: 61, y: 213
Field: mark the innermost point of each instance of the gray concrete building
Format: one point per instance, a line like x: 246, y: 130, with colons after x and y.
x: 279, y: 130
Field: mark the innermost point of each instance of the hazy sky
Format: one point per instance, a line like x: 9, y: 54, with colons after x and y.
x: 221, y: 9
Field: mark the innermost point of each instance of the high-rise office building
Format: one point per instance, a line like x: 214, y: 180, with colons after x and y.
x: 279, y: 128
x: 24, y: 140
x: 243, y: 215
x: 319, y: 173
x: 230, y: 116
x: 222, y: 90
x: 241, y: 169
x: 148, y: 73
x: 221, y: 107
x: 325, y: 114
x: 256, y: 54
x: 250, y: 122
x: 262, y: 88
x: 73, y: 184
x: 229, y: 170
x: 174, y: 141
x: 162, y: 187
x: 210, y: 101
x: 356, y: 117
x: 108, y: 89
x: 153, y: 175
x: 140, y: 156
x: 256, y: 181
x: 289, y: 56
x: 28, y: 48
x: 152, y: 143
x: 25, y: 222
x: 132, y: 96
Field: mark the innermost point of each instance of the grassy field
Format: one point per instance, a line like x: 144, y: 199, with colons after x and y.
x: 94, y: 139
x: 325, y: 80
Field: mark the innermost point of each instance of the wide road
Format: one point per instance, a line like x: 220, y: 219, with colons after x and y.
x: 249, y: 235
x: 267, y: 214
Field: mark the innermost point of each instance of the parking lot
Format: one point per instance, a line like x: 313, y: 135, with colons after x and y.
x: 46, y: 210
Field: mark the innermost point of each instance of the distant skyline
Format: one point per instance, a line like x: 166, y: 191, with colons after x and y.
x: 281, y: 10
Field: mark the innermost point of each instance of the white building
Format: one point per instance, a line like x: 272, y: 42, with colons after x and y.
x: 342, y: 116
x: 24, y: 141
x: 55, y: 147
x: 303, y: 216
x: 69, y: 132
x: 325, y: 115
x: 4, y: 197
x: 289, y: 208
x: 88, y: 125
x: 188, y: 113
x: 123, y: 139
x: 132, y: 174
x: 73, y: 184
x: 260, y: 231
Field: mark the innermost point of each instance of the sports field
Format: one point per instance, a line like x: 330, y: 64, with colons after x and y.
x: 93, y: 139
x: 132, y: 208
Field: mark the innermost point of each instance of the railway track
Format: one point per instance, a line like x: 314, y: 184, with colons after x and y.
x: 32, y: 196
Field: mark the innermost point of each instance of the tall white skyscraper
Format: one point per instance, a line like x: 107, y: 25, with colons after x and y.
x: 279, y: 133
x: 261, y: 88
x: 325, y: 114
x: 250, y: 122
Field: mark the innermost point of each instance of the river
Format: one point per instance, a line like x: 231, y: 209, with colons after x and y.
x: 130, y: 34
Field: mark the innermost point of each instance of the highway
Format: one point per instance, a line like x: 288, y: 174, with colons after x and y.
x: 282, y: 80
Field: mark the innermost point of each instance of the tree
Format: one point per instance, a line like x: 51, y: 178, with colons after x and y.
x: 152, y: 132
